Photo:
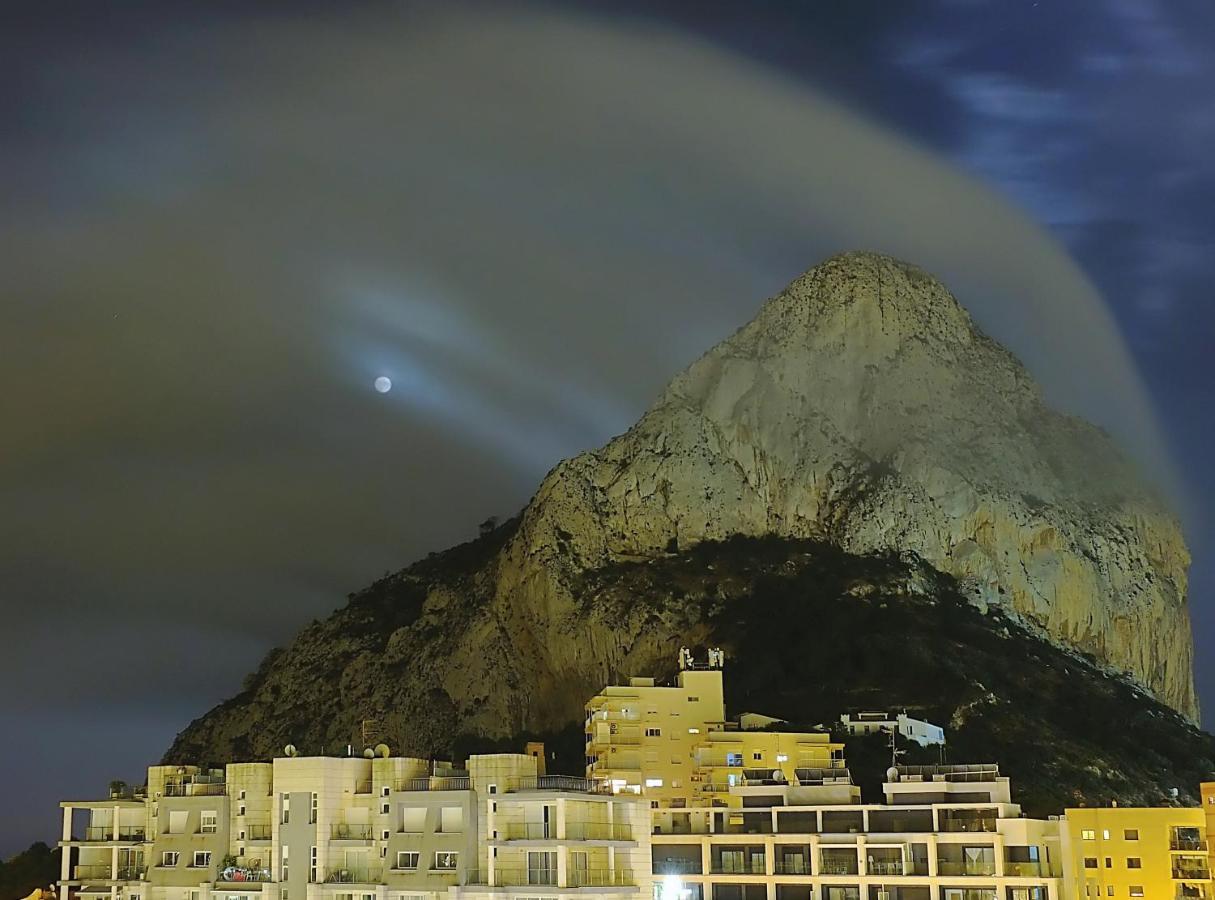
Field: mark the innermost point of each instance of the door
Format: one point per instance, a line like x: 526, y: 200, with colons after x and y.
x: 542, y: 867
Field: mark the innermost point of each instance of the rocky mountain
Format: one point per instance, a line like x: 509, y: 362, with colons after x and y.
x: 861, y: 411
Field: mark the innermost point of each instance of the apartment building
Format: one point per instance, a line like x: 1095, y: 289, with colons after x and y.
x: 673, y: 744
x: 1160, y: 853
x: 356, y: 828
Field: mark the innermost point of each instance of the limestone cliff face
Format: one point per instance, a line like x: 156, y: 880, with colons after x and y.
x: 862, y: 409
x: 863, y: 406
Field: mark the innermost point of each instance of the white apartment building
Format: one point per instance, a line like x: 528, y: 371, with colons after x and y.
x: 354, y: 828
x: 923, y: 733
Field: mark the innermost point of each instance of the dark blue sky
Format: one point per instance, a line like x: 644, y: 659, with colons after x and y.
x: 221, y: 222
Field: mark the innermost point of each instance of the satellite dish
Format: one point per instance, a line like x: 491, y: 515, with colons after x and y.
x: 382, y: 750
x: 368, y: 753
x: 778, y: 775
x: 290, y: 750
x: 892, y: 774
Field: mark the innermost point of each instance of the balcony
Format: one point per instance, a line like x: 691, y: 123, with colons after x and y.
x: 979, y: 823
x: 435, y: 783
x: 366, y: 875
x: 1191, y: 892
x: 754, y: 866
x: 244, y: 875
x: 132, y: 873
x: 524, y: 877
x: 972, y: 773
x: 839, y: 867
x: 793, y: 866
x: 1188, y: 845
x: 601, y: 878
x: 343, y: 831
x: 95, y: 872
x: 259, y: 832
x: 598, y: 831
x: 106, y: 833
x: 954, y: 867
x: 362, y: 787
x: 884, y: 867
x: 1025, y: 869
x: 1196, y: 870
x: 195, y: 789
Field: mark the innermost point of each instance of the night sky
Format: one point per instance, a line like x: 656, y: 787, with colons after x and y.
x: 218, y: 226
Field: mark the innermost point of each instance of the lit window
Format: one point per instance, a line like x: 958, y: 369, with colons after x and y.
x: 446, y: 860
x: 1088, y: 834
x: 208, y: 822
x: 1105, y: 835
x: 1136, y: 890
x: 653, y: 782
x: 782, y: 757
x: 693, y: 731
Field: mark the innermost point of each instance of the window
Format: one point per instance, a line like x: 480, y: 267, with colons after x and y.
x: 384, y: 834
x: 202, y: 859
x: 284, y: 865
x: 734, y: 759
x: 447, y: 860
x: 693, y: 731
x: 286, y: 804
x: 1088, y: 834
x: 758, y: 757
x: 451, y: 820
x: 284, y: 894
x: 1105, y: 834
x: 1109, y: 863
x: 169, y: 858
x: 1134, y: 862
x: 312, y: 865
x: 384, y: 809
x: 653, y: 782
x: 242, y: 796
x: 177, y: 822
x: 412, y: 819
x: 693, y: 699
x: 653, y: 732
x: 407, y: 859
x: 240, y: 811
x: 1131, y: 834
x: 384, y: 791
x: 312, y: 813
x: 782, y: 757
x: 1136, y: 890
x: 208, y: 822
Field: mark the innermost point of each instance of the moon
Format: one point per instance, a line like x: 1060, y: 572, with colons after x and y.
x: 383, y: 384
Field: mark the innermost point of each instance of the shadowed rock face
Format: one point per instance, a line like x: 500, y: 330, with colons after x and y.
x: 861, y: 408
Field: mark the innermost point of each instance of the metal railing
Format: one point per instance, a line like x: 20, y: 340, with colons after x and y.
x: 343, y: 831
x: 362, y: 787
x: 831, y: 775
x: 365, y: 875
x: 259, y: 832
x: 559, y: 783
x: 978, y: 772
x: 953, y: 824
x: 195, y: 789
x: 839, y: 867
x: 753, y: 866
x: 676, y: 866
x: 884, y: 867
x: 434, y: 783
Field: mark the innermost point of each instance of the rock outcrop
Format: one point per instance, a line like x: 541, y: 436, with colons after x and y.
x: 861, y: 410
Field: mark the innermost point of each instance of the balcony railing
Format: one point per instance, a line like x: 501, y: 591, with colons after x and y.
x: 1191, y: 892
x: 675, y: 866
x: 106, y: 833
x: 244, y: 875
x: 435, y: 783
x: 601, y: 878
x: 957, y: 867
x: 1191, y: 872
x: 343, y: 831
x: 93, y: 872
x: 598, y: 831
x: 980, y: 772
x: 259, y: 832
x: 1024, y: 869
x: 793, y: 866
x: 614, y: 740
x: 366, y: 875
x: 195, y: 789
x: 530, y: 831
x: 1193, y: 845
x: 754, y: 866
x: 980, y: 824
x: 559, y: 783
x: 523, y: 877
x: 884, y: 867
x: 839, y: 867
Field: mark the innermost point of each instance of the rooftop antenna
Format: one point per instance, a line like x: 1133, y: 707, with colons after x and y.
x: 895, y: 752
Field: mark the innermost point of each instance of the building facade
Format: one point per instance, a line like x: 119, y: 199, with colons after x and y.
x: 923, y: 733
x: 352, y: 828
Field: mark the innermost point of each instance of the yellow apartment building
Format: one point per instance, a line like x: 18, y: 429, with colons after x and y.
x: 673, y: 744
x: 1157, y: 853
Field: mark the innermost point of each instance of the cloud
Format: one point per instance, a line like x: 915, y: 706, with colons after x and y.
x: 558, y: 213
